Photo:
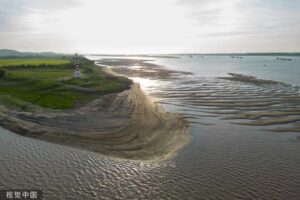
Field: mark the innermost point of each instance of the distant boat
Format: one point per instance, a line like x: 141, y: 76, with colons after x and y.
x: 237, y: 57
x: 285, y: 59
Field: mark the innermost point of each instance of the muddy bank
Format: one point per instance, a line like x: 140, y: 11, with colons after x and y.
x: 249, y: 79
x: 238, y: 99
x: 125, y: 125
x: 141, y: 68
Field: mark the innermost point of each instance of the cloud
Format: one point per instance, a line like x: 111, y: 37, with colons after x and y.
x: 141, y: 26
x: 13, y: 12
x: 240, y: 16
x: 31, y: 25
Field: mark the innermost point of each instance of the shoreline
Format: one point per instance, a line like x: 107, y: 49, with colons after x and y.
x: 124, y: 125
x: 238, y: 99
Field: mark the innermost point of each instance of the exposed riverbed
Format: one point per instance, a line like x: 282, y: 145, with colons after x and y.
x: 237, y: 150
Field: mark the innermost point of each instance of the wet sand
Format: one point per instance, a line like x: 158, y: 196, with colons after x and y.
x: 238, y: 99
x: 140, y: 68
x: 223, y: 161
x: 124, y: 125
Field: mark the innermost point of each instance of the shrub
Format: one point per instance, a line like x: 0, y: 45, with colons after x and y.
x: 2, y: 73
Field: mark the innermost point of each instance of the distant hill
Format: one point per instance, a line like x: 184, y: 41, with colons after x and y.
x: 8, y: 53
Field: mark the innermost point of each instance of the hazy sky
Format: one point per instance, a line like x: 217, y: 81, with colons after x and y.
x: 150, y: 26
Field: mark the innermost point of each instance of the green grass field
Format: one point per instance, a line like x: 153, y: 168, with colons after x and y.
x: 32, y: 61
x: 47, y: 94
x: 39, y: 74
x: 52, y: 85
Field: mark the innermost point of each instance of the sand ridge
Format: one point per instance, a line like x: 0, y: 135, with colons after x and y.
x: 125, y: 125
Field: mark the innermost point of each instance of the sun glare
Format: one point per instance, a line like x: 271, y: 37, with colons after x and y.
x: 141, y: 28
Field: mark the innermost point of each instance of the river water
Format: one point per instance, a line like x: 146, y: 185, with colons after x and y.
x: 225, y: 160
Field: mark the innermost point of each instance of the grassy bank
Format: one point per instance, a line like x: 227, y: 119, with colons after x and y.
x: 33, y: 61
x: 49, y: 83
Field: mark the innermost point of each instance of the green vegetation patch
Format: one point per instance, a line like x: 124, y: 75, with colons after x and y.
x: 102, y: 85
x: 49, y: 83
x: 33, y: 61
x: 46, y: 93
x: 39, y: 74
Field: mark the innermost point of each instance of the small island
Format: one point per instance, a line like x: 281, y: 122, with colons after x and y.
x: 99, y: 111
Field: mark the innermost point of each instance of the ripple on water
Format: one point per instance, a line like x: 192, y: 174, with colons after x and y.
x: 252, y: 104
x: 223, y: 161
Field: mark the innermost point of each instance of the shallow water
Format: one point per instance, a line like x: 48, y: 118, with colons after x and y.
x: 223, y: 160
x: 265, y: 67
